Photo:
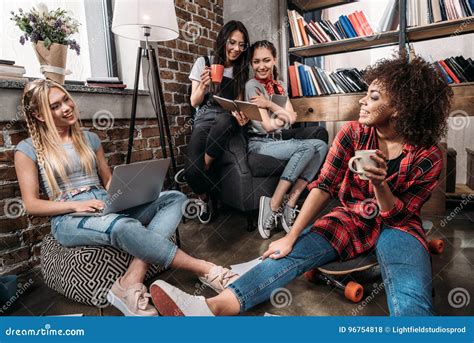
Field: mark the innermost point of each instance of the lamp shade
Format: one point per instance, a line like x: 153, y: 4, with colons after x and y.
x: 130, y: 16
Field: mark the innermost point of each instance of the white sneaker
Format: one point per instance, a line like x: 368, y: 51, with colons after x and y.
x: 171, y: 301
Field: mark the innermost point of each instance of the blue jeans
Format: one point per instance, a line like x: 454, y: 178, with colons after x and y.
x: 304, y: 156
x: 143, y: 231
x: 405, y: 265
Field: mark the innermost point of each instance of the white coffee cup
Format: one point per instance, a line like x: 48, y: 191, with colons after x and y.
x: 362, y: 159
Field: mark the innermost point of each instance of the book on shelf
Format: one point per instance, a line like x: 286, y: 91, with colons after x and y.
x: 390, y: 18
x: 424, y: 12
x: 10, y: 71
x: 107, y: 85
x: 456, y: 69
x: 105, y: 82
x: 13, y: 70
x: 13, y: 78
x: 7, y: 62
x: 305, y: 33
x: 104, y: 79
x: 313, y: 81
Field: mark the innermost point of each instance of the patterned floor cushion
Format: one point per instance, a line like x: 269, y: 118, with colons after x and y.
x: 84, y: 274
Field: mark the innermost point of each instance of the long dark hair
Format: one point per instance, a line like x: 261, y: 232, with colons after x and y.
x: 267, y: 45
x: 241, y: 64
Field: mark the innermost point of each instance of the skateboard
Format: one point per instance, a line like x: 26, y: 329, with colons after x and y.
x: 353, y: 291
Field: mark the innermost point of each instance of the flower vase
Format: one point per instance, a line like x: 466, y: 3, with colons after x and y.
x: 52, y: 61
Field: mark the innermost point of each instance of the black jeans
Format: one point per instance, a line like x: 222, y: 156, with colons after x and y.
x: 211, y: 137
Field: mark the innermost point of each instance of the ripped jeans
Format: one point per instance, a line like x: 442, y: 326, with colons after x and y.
x: 143, y: 231
x: 404, y: 262
x: 304, y: 156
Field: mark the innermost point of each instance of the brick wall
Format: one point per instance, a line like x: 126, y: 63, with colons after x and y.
x: 21, y: 235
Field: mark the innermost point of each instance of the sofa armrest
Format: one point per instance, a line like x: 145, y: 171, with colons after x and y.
x: 236, y: 153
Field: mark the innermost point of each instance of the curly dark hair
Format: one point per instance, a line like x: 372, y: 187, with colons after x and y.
x: 418, y: 94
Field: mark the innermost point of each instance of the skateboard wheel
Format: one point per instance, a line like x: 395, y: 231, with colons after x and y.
x: 310, y: 275
x: 436, y: 246
x: 354, y: 291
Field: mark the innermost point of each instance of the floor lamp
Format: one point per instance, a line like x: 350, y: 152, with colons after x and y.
x: 148, y: 21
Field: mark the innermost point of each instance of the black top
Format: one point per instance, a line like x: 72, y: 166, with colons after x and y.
x: 394, y: 165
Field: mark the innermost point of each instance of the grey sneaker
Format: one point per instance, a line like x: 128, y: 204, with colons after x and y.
x: 267, y: 218
x: 288, y: 217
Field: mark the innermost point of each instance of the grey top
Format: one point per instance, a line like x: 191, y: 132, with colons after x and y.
x: 251, y: 90
x: 77, y: 176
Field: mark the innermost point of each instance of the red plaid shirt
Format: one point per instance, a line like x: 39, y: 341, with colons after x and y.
x: 354, y: 227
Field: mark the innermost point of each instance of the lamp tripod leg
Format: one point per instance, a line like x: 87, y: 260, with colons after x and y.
x: 162, y: 115
x: 133, y: 113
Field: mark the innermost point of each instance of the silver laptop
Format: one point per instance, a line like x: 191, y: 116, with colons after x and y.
x: 133, y: 185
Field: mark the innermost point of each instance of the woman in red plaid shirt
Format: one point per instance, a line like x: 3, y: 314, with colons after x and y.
x: 403, y: 116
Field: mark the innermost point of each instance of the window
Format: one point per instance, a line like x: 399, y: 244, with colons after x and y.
x: 97, y: 56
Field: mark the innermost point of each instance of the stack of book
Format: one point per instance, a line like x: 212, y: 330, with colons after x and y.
x: 309, y: 33
x: 10, y: 71
x: 313, y: 81
x: 456, y: 69
x: 423, y: 12
x: 105, y: 82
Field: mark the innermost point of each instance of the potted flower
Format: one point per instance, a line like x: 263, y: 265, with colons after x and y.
x: 50, y: 32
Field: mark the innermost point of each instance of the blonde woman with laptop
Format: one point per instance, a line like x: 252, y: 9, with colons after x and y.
x: 69, y: 165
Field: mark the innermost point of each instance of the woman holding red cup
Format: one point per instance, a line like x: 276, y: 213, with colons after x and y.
x: 224, y: 74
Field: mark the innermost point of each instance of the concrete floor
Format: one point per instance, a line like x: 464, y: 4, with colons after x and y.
x: 226, y: 242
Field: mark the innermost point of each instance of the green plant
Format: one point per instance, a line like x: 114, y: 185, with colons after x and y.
x: 39, y: 24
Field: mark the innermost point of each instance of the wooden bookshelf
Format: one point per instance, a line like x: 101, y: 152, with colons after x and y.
x: 312, y: 5
x: 347, y: 45
x: 463, y: 99
x: 461, y: 192
x: 415, y: 34
x: 441, y: 29
x: 337, y: 107
x: 345, y: 107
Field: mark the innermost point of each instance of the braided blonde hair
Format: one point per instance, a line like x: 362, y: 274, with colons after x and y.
x: 50, y: 153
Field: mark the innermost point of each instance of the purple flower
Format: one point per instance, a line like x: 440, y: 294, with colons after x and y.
x: 35, y: 37
x: 74, y: 46
x: 22, y: 40
x: 32, y: 18
x: 58, y: 24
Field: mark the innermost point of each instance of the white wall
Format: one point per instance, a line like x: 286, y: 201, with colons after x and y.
x: 261, y: 18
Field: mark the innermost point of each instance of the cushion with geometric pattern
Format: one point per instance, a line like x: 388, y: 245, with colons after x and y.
x: 86, y: 273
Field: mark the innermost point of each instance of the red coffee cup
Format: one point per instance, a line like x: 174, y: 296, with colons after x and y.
x: 217, y: 73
